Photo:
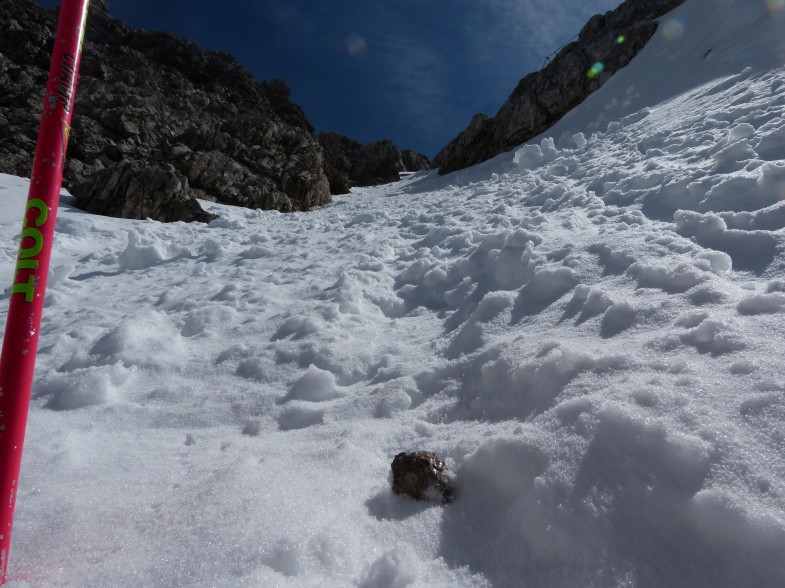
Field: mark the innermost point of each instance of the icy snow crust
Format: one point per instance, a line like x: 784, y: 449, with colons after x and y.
x: 589, y: 330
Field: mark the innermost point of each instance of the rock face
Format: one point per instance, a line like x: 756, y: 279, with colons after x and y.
x: 349, y: 163
x: 421, y: 475
x: 158, y: 122
x: 156, y: 191
x: 543, y: 97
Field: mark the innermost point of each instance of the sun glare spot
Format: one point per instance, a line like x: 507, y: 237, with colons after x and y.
x: 620, y: 39
x: 673, y: 29
x: 775, y: 4
x: 595, y: 70
x: 356, y: 45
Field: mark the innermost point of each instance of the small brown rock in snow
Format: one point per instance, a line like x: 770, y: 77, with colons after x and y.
x: 422, y: 476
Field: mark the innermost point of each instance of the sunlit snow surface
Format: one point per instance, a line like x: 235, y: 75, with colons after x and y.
x: 589, y: 329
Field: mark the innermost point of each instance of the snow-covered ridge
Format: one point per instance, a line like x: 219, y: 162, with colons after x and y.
x: 588, y: 330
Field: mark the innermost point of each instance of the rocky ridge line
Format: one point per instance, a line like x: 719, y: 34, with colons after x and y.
x: 349, y: 163
x: 542, y: 98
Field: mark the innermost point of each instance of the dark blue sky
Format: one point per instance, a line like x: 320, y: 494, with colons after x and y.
x: 414, y: 71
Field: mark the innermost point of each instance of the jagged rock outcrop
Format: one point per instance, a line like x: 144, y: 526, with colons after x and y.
x: 543, y: 97
x: 155, y: 191
x: 413, y: 161
x: 349, y: 163
x: 191, y: 123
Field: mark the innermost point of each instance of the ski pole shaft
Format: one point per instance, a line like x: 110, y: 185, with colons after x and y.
x: 20, y: 343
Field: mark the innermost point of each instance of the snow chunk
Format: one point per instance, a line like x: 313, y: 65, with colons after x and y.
x: 470, y: 337
x: 503, y: 390
x: 713, y: 337
x: 617, y: 319
x: 59, y: 274
x: 204, y: 320
x: 762, y: 304
x: 315, y: 385
x: 514, y: 265
x: 732, y: 157
x: 394, y: 397
x: 679, y: 279
x: 740, y: 131
x: 691, y: 319
x: 397, y: 568
x: 254, y: 368
x: 211, y: 249
x: 148, y: 339
x: 533, y: 156
x: 145, y: 249
x: 363, y: 219
x: 297, y: 327
x: 748, y: 249
x: 526, y: 519
x: 738, y: 532
x: 545, y: 288
x: 719, y: 262
x: 613, y: 262
x: 347, y: 293
x: 739, y: 193
x: 772, y: 145
x: 252, y: 428
x: 299, y: 417
x: 85, y: 387
x: 629, y: 449
x: 256, y: 252
x: 590, y: 302
x: 771, y: 183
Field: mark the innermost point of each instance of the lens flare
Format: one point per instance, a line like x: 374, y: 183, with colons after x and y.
x: 775, y: 4
x: 673, y: 29
x: 621, y: 38
x: 595, y: 70
x: 356, y: 45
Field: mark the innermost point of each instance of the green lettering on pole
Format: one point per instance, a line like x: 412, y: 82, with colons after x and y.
x: 26, y: 264
x: 24, y: 261
x: 36, y: 235
x: 28, y: 289
x: 40, y: 205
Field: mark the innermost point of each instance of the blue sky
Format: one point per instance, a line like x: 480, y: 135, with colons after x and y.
x: 412, y: 71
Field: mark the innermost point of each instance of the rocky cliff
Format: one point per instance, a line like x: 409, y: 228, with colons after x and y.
x: 605, y: 44
x: 349, y: 163
x: 158, y: 122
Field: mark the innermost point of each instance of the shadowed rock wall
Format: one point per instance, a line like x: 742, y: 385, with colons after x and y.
x: 157, y: 119
x: 349, y: 163
x: 194, y: 124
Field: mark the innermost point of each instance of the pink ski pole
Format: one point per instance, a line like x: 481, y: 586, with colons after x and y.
x: 20, y: 343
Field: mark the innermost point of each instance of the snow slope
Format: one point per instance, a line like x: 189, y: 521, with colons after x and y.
x: 588, y: 329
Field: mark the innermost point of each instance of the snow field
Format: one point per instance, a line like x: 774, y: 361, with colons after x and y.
x: 588, y: 329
